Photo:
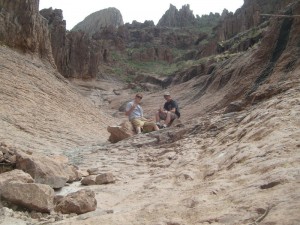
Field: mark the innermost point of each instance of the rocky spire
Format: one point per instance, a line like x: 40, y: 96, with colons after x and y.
x: 177, y: 18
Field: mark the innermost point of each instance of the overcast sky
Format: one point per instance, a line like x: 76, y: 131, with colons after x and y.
x: 74, y: 11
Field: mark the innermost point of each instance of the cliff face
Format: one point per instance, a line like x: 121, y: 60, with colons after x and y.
x: 248, y: 16
x: 23, y: 28
x: 240, y: 30
x: 269, y: 68
x: 79, y: 55
x: 97, y: 20
x: 76, y: 55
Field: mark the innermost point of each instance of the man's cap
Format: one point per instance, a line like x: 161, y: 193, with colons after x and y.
x: 167, y: 93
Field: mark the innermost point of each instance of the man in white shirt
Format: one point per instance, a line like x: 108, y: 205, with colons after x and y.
x: 135, y: 115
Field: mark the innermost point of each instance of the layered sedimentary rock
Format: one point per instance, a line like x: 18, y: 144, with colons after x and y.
x: 40, y: 110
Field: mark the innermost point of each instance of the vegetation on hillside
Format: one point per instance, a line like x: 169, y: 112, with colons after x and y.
x: 206, y: 23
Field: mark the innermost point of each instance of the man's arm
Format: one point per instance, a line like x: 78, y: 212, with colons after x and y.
x: 173, y: 110
x: 173, y: 107
x: 129, y: 111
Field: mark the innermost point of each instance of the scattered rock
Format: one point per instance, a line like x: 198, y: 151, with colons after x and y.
x: 36, y: 215
x: 74, y: 174
x: 57, y: 199
x: 94, y: 171
x: 37, y: 197
x: 83, y: 173
x: 79, y: 202
x: 234, y: 107
x: 118, y: 133
x: 14, y: 175
x: 89, y: 180
x: 44, y: 169
x: 105, y: 178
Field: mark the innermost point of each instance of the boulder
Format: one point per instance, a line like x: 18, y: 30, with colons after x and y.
x: 79, y: 202
x: 74, y: 174
x: 94, y: 171
x: 14, y: 175
x: 105, y: 178
x: 89, y: 180
x: 37, y: 197
x: 44, y: 169
x: 118, y: 133
x: 234, y: 107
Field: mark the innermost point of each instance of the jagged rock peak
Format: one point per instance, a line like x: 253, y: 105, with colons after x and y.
x: 97, y: 20
x: 177, y: 18
x: 53, y: 15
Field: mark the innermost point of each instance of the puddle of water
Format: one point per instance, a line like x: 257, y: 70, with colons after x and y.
x: 73, y: 187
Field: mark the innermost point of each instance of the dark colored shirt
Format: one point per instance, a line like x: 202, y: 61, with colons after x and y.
x: 171, y: 105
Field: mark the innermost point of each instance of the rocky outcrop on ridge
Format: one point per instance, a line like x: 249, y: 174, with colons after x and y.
x: 267, y: 63
x: 78, y: 55
x: 245, y: 26
x: 177, y: 18
x: 248, y: 16
x: 97, y: 20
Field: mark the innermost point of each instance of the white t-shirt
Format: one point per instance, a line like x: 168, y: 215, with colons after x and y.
x: 136, y: 113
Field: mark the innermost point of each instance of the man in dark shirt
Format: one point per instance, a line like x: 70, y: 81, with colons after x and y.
x: 168, y: 113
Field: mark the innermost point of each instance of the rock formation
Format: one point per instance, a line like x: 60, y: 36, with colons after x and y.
x: 177, y: 18
x: 241, y: 22
x: 76, y: 55
x: 100, y: 19
x: 77, y: 202
x: 23, y: 28
x: 248, y: 16
x: 37, y: 197
x: 276, y: 52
